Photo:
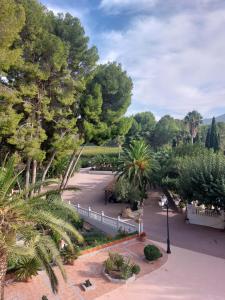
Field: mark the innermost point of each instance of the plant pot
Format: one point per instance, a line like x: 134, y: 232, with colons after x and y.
x: 182, y: 210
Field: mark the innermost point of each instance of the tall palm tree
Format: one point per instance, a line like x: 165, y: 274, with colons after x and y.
x: 26, y: 224
x: 193, y: 119
x: 136, y: 164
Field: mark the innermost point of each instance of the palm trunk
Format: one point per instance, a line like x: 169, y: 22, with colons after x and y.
x: 3, y: 269
x: 74, y: 166
x: 27, y: 183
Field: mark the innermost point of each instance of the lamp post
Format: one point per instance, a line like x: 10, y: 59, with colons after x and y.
x: 168, y: 229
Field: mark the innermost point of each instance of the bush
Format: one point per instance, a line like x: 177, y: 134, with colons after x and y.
x: 26, y: 267
x: 126, y: 192
x: 136, y: 269
x: 120, y: 267
x: 69, y: 255
x: 126, y: 271
x: 152, y: 252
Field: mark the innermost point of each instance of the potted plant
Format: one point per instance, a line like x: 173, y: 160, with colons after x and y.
x: 142, y: 237
x: 119, y: 269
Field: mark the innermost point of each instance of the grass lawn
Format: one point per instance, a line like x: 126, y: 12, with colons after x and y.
x: 95, y: 150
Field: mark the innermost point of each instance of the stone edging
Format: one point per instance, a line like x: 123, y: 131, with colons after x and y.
x: 114, y: 280
x: 101, y: 172
x: 109, y: 244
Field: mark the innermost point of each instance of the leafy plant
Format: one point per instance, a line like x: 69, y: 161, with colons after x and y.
x: 135, y: 269
x: 26, y: 268
x: 126, y: 271
x: 26, y: 225
x: 69, y: 254
x: 136, y: 164
x: 119, y: 266
x: 152, y: 252
x: 202, y: 178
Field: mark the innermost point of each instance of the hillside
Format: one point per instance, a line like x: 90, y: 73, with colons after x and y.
x: 220, y: 118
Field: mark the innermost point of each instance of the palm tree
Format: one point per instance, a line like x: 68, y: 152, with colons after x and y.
x: 193, y: 120
x: 136, y: 164
x: 27, y: 226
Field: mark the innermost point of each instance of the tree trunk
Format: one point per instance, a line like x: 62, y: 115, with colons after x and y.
x: 34, y: 175
x: 34, y: 172
x: 48, y: 166
x: 72, y: 159
x: 3, y: 269
x: 73, y: 168
x: 27, y: 183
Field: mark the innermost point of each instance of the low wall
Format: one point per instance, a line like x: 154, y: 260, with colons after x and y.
x: 210, y: 218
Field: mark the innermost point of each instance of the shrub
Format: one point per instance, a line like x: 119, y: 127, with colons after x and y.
x: 69, y: 255
x: 135, y: 269
x: 152, y: 252
x: 126, y: 271
x: 120, y: 267
x: 26, y: 267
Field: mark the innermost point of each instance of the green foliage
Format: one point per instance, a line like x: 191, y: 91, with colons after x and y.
x: 152, y: 252
x: 165, y: 130
x: 104, y: 163
x: 136, y: 269
x: 95, y: 150
x: 116, y: 89
x: 202, y: 178
x: 26, y: 267
x: 136, y: 165
x: 212, y: 137
x: 142, y: 126
x: 193, y: 120
x: 32, y: 222
x: 127, y: 192
x: 120, y: 267
x: 11, y: 22
x: 69, y: 254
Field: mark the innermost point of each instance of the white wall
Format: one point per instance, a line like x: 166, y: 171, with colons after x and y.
x: 199, y: 216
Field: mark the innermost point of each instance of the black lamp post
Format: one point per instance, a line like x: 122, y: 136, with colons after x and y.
x: 168, y: 229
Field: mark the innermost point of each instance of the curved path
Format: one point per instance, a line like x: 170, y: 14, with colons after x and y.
x: 196, y: 268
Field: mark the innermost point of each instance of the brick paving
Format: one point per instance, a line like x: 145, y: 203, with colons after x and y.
x: 85, y: 267
x: 194, y: 271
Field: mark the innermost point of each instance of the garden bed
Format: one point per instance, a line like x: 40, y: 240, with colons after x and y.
x: 116, y: 240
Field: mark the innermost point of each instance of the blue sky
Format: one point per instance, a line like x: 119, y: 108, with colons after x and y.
x: 174, y: 50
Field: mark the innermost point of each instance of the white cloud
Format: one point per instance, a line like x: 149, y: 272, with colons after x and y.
x: 177, y: 62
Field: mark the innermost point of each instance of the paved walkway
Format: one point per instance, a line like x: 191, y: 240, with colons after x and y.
x: 194, y: 271
x: 85, y: 267
x: 196, y: 267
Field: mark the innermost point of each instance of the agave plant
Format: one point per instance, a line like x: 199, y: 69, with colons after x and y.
x: 27, y: 226
x: 136, y: 164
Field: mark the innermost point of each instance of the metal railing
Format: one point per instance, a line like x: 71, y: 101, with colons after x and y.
x: 115, y: 223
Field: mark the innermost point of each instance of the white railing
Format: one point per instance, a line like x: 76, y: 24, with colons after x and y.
x: 115, y: 223
x: 205, y: 217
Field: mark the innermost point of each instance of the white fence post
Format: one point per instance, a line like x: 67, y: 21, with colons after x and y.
x: 89, y: 211
x: 118, y: 222
x: 102, y: 215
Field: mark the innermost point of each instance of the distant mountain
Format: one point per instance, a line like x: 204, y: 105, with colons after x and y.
x: 218, y: 119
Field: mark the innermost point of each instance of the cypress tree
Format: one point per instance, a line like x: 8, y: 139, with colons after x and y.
x: 212, y: 138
